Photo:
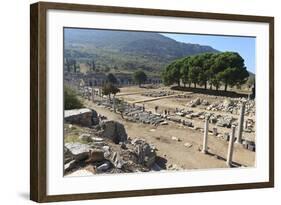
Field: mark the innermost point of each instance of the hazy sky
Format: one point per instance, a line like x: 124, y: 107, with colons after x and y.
x: 245, y: 46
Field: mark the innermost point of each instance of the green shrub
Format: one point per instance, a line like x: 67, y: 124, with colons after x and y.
x: 71, y: 100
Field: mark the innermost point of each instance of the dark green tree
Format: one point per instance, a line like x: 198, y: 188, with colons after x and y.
x: 112, y: 79
x: 205, y: 78
x: 193, y: 75
x: 229, y: 68
x: 172, y: 73
x: 184, y: 72
x: 140, y: 77
x: 93, y: 66
x: 106, y: 69
x: 109, y: 89
x: 68, y: 65
x: 74, y: 66
x: 251, y: 81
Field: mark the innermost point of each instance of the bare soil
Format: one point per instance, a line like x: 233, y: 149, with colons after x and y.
x: 185, y: 151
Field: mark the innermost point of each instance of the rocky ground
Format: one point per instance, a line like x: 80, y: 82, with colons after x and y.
x: 103, y: 146
x: 192, y: 107
x: 170, y: 137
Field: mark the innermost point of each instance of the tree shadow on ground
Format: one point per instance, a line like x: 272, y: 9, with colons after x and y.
x: 211, y: 92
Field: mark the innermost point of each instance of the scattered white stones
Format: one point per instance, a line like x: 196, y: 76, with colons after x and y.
x: 194, y: 103
x: 187, y: 144
x: 233, y: 106
x: 175, y: 138
x: 164, y: 123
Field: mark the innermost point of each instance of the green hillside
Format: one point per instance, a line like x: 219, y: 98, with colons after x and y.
x: 105, y: 50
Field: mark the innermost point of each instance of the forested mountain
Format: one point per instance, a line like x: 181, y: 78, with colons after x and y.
x: 125, y: 51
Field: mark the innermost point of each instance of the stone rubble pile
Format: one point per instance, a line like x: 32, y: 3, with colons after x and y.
x: 85, y: 91
x: 197, y: 101
x: 194, y: 103
x: 135, y: 113
x: 226, y: 121
x: 108, y: 157
x: 233, y: 106
x: 228, y: 105
x: 107, y: 149
x: 249, y: 125
x: 158, y: 93
x: 219, y: 120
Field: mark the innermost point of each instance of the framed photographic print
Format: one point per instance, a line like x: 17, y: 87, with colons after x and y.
x: 134, y: 102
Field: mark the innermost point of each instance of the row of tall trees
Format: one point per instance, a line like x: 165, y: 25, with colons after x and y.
x: 213, y: 69
x: 71, y: 65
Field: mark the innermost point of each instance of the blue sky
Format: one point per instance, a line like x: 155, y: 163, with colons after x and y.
x: 245, y: 46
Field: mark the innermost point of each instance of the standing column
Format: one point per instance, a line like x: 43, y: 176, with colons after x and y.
x: 93, y: 94
x: 230, y: 147
x: 206, y: 131
x: 241, y: 122
x: 100, y: 92
x: 89, y: 94
x: 114, y: 106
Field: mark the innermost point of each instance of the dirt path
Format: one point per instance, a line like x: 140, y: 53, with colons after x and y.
x: 175, y: 152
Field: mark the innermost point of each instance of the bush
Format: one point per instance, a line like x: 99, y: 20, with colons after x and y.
x: 71, y: 100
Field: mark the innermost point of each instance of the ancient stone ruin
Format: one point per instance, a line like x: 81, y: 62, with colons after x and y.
x: 104, y: 147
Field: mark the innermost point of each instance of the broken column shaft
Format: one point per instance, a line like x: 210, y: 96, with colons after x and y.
x: 205, y: 139
x: 93, y: 94
x: 241, y: 123
x: 114, y: 105
x: 230, y: 147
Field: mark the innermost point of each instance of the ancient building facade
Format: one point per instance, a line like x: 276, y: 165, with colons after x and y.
x: 99, y: 79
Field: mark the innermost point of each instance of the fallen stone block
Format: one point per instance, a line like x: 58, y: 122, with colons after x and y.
x: 82, y: 117
x: 104, y: 167
x: 116, y: 160
x: 176, y: 139
x: 115, y: 131
x: 226, y: 136
x: 95, y: 156
x: 146, y: 155
x: 164, y: 123
x: 187, y: 144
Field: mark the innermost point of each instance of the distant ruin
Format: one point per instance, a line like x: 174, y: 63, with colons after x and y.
x: 100, y: 78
